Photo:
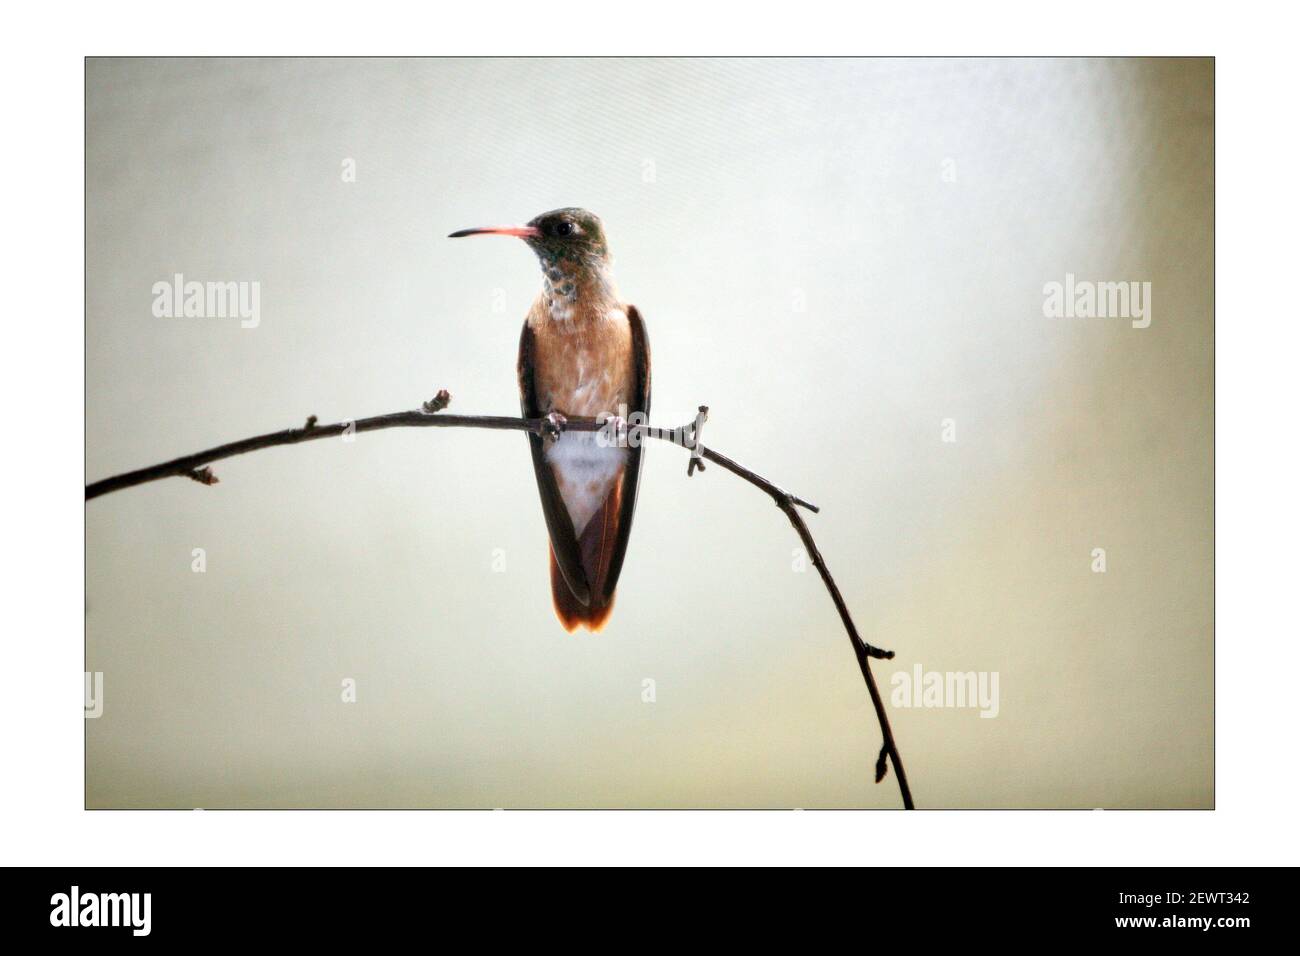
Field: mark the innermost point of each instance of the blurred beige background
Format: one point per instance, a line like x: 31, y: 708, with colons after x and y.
x: 834, y: 255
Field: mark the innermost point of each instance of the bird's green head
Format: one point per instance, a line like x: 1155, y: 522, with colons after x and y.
x: 563, y: 239
x: 568, y: 235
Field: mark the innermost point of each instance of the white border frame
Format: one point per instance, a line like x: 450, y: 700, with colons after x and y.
x: 44, y: 819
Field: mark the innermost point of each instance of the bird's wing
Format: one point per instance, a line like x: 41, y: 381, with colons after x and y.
x: 564, y: 544
x: 604, y: 556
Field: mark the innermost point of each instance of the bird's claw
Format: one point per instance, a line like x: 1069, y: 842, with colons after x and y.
x: 614, y: 431
x: 553, y: 424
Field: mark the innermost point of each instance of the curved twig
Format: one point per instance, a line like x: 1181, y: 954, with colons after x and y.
x: 196, y: 467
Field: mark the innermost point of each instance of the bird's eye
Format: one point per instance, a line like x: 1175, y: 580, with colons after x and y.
x: 563, y: 228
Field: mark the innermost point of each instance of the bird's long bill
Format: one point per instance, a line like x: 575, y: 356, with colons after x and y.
x: 523, y: 232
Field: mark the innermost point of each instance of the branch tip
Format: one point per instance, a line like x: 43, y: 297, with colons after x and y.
x: 203, y: 476
x: 437, y: 403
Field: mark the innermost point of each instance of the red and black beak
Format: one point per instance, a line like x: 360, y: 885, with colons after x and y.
x: 523, y: 232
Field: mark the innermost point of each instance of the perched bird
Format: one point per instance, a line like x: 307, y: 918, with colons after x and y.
x: 583, y: 354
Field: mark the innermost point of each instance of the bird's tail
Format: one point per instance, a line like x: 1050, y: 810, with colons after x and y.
x: 570, y: 610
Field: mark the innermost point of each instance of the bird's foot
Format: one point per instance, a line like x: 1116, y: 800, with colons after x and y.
x: 553, y: 424
x: 613, y: 432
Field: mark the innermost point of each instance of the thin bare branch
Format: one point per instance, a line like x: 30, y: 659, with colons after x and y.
x: 196, y: 467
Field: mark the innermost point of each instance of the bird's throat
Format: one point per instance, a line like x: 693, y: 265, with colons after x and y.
x: 578, y: 291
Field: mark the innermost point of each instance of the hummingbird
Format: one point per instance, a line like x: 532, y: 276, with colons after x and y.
x: 583, y: 354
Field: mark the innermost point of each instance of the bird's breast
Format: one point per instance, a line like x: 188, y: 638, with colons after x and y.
x: 583, y: 368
